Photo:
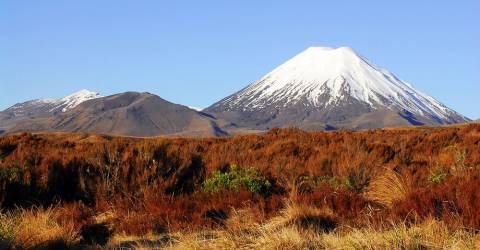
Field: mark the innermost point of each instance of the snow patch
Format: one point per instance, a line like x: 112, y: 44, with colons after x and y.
x: 73, y: 100
x: 194, y: 108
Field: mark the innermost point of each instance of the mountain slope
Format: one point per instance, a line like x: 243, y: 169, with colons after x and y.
x: 45, y: 107
x: 323, y: 88
x: 42, y: 108
x: 130, y: 114
x: 75, y: 99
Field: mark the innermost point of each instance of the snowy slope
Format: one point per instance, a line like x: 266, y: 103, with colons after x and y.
x: 321, y: 79
x: 45, y: 107
x: 22, y: 109
x: 30, y: 111
x: 73, y: 100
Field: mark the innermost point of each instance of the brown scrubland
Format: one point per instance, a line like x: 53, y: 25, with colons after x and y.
x: 405, y: 188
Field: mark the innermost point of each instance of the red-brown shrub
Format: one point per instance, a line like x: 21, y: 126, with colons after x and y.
x: 155, y: 184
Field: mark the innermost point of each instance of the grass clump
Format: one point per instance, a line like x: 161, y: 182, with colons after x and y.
x: 304, y: 217
x: 34, y: 229
x: 237, y: 179
x: 11, y: 174
x: 387, y: 188
x: 358, y: 180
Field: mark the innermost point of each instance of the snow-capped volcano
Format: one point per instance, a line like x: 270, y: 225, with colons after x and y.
x: 330, y: 86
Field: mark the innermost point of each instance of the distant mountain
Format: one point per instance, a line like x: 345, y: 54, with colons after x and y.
x: 130, y: 114
x: 325, y: 88
x: 73, y: 100
x: 41, y: 108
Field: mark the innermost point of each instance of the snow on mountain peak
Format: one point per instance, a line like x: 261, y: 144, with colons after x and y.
x: 73, y: 100
x: 82, y: 94
x: 337, y: 73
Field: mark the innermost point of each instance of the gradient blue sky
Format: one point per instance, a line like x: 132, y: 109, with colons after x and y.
x: 197, y: 52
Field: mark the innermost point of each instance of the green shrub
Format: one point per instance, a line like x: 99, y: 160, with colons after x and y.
x: 237, y: 179
x: 305, y: 182
x: 11, y: 174
x: 436, y: 177
x: 357, y: 179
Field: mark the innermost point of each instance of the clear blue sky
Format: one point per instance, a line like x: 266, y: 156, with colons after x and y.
x: 196, y: 52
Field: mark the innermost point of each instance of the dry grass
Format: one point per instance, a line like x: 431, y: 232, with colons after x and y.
x: 243, y: 219
x: 303, y: 226
x: 344, y: 191
x: 344, y: 171
x: 34, y: 228
x: 298, y: 226
x: 303, y: 217
x: 431, y: 234
x: 287, y: 232
x: 387, y: 188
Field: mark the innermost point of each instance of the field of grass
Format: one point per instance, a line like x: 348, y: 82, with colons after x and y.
x: 296, y: 227
x: 416, y: 188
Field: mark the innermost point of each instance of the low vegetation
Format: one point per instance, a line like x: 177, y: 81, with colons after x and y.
x: 237, y: 179
x: 430, y: 234
x: 412, y: 188
x: 436, y: 177
x: 36, y: 228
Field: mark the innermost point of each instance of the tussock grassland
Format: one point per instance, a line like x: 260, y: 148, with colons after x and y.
x: 287, y: 189
x: 430, y: 234
x: 296, y: 227
x: 35, y: 228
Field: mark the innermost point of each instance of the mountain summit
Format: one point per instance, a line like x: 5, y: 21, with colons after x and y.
x: 41, y: 108
x: 45, y: 107
x: 73, y: 100
x: 130, y: 114
x: 326, y: 87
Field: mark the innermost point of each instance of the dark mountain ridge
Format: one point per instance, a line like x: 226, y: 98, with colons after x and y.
x: 130, y: 114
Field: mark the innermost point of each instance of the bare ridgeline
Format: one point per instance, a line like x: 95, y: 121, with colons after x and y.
x: 76, y: 174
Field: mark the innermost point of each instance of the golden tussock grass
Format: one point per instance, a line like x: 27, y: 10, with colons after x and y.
x: 243, y: 219
x: 298, y: 226
x: 34, y: 228
x: 430, y: 234
x: 303, y: 217
x: 302, y: 226
x: 387, y: 188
